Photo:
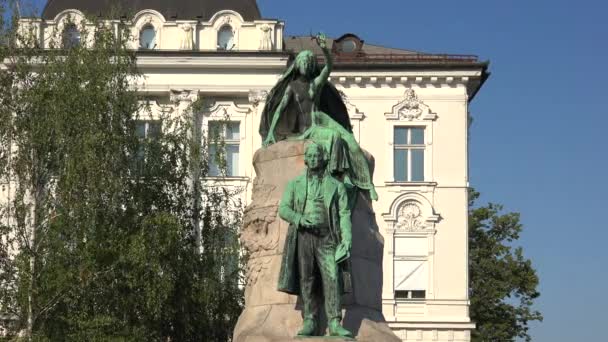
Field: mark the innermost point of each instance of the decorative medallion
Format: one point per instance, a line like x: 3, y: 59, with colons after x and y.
x: 410, y: 108
x: 409, y: 217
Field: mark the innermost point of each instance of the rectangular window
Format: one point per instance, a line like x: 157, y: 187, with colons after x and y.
x: 148, y: 129
x: 408, y: 157
x: 145, y: 130
x: 410, y: 279
x: 224, y: 150
x: 410, y: 294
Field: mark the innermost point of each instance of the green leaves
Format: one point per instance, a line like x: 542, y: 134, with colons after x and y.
x: 502, y: 281
x: 94, y: 246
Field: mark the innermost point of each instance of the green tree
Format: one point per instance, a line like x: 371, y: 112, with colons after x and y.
x: 503, y: 283
x: 105, y: 234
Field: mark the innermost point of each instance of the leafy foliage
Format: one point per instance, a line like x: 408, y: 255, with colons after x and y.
x: 105, y: 234
x: 503, y: 282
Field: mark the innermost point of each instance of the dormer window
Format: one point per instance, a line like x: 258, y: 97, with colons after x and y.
x: 348, y: 44
x: 225, y: 38
x: 71, y: 36
x: 147, y: 37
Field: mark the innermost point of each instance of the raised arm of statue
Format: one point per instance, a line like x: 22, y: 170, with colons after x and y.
x: 321, y: 80
x: 270, y: 139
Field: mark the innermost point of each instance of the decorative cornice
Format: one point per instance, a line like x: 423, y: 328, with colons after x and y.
x: 225, y: 109
x: 221, y: 60
x: 353, y: 112
x: 421, y: 79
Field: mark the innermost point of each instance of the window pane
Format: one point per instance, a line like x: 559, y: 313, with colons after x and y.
x: 418, y: 294
x: 400, y: 136
x: 401, y: 294
x: 417, y: 136
x: 140, y: 129
x: 233, y: 131
x: 400, y: 165
x: 225, y: 38
x: 232, y: 160
x: 154, y: 129
x: 215, y: 130
x: 71, y: 36
x: 417, y: 165
x: 214, y: 170
x: 147, y: 38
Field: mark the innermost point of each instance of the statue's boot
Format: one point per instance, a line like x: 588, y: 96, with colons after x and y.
x: 308, y: 328
x: 336, y: 329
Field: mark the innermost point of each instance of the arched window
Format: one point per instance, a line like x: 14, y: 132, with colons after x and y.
x: 225, y: 38
x: 71, y: 36
x: 147, y: 37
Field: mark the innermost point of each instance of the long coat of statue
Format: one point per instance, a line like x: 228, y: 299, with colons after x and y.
x: 291, y: 208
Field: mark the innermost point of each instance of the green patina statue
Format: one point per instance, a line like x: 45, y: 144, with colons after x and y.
x: 304, y: 105
x: 318, y: 241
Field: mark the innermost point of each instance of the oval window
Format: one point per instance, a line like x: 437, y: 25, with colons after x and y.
x: 225, y: 38
x: 71, y: 36
x: 349, y: 46
x: 147, y: 37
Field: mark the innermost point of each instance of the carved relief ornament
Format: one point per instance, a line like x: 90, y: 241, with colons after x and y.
x: 257, y: 96
x: 183, y: 95
x: 409, y: 217
x: 411, y: 212
x: 410, y: 108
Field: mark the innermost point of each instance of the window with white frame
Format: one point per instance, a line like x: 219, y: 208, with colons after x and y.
x: 408, y: 155
x: 410, y: 279
x: 71, y: 36
x: 146, y: 129
x: 225, y: 38
x: 147, y: 37
x: 224, y: 150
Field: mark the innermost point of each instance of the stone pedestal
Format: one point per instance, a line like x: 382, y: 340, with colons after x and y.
x: 271, y: 315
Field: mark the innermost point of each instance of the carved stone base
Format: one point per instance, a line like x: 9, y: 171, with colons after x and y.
x: 270, y: 315
x: 278, y: 323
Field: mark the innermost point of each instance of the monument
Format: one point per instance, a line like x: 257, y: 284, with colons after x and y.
x: 325, y: 248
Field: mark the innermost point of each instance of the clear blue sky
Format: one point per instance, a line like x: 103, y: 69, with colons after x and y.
x: 537, y: 143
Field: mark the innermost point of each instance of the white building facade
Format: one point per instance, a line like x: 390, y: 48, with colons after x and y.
x: 408, y: 109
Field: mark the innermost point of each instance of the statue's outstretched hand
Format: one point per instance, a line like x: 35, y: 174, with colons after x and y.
x: 321, y: 39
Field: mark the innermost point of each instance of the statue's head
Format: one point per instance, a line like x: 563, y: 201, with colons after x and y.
x: 306, y: 63
x: 314, y: 157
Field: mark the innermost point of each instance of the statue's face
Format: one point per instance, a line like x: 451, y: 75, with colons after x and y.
x: 313, y: 157
x: 305, y: 63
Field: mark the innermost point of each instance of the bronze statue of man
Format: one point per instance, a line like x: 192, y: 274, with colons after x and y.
x: 318, y: 242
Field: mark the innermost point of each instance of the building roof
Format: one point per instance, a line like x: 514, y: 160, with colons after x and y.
x: 170, y: 9
x: 300, y: 43
x: 372, y: 56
